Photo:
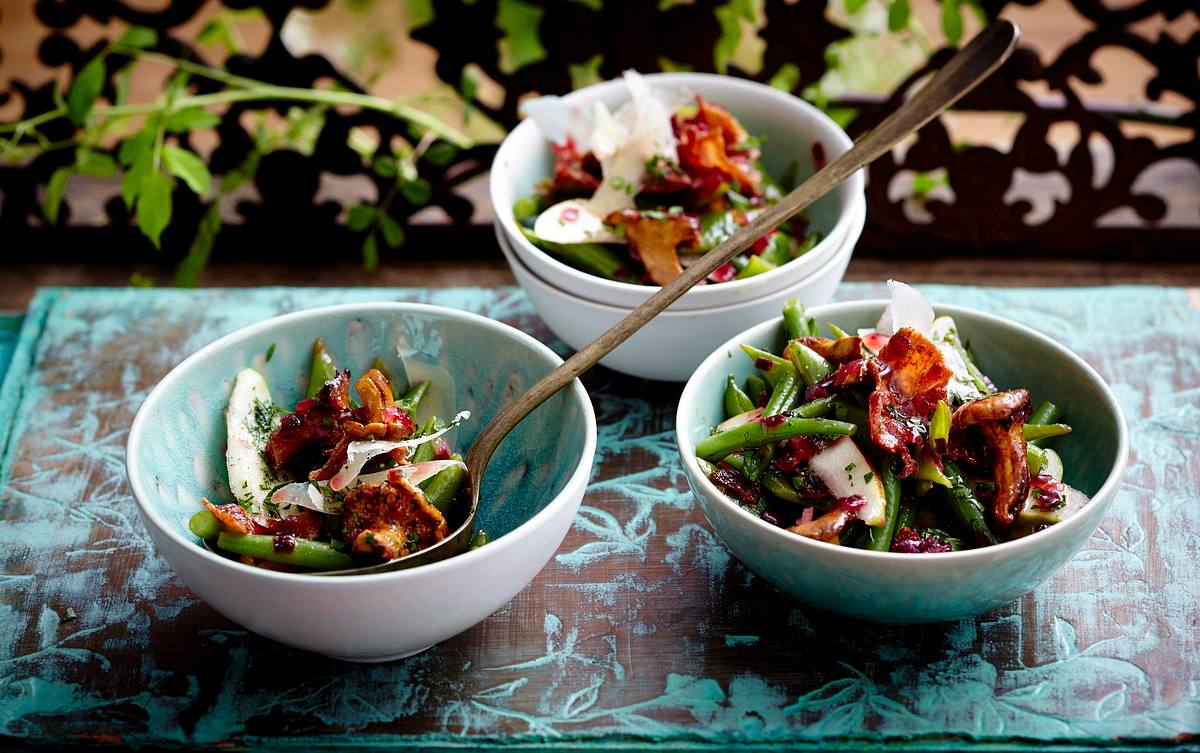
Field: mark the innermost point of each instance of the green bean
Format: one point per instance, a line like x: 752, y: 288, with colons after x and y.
x: 966, y: 506
x: 311, y: 554
x: 797, y: 322
x: 204, y: 524
x: 1044, y: 431
x: 907, y: 517
x: 879, y: 538
x: 1047, y: 413
x: 323, y: 368
x: 755, y: 265
x: 854, y: 415
x: 441, y: 489
x: 756, y: 388
x: 792, y: 323
x: 480, y: 539
x: 972, y: 370
x: 734, y: 460
x: 527, y: 207
x: 809, y: 364
x: 424, y: 452
x: 939, y: 425
x: 928, y: 471
x: 837, y: 331
x: 592, y: 258
x: 785, y: 395
x: 757, y: 434
x: 772, y: 366
x: 736, y: 401
x: 778, y: 487
x: 822, y: 406
x: 412, y: 399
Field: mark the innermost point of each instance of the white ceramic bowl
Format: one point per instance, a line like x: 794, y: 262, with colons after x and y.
x: 904, y: 588
x: 670, y: 346
x: 792, y: 127
x: 530, y: 494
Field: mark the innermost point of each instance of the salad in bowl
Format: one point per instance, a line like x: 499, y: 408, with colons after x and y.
x: 637, y: 194
x: 341, y: 479
x: 887, y: 439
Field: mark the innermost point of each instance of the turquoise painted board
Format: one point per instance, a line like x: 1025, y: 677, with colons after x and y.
x: 642, y: 631
x: 10, y: 326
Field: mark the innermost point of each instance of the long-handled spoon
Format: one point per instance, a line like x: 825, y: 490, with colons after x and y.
x: 960, y: 75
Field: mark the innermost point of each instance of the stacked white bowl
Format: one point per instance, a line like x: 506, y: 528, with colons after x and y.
x: 579, y: 306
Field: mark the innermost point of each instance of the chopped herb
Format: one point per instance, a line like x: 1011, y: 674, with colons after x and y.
x: 270, y: 352
x: 69, y: 614
x: 867, y: 478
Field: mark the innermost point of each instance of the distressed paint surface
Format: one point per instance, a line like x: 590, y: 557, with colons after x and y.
x: 643, y: 629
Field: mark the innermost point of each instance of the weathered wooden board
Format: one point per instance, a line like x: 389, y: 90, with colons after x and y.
x: 641, y: 631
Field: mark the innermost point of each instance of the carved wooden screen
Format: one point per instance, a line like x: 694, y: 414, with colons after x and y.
x: 1104, y: 204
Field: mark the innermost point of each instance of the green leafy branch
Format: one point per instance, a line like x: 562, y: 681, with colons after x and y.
x: 151, y: 162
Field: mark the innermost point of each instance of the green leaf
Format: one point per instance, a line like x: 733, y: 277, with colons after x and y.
x: 417, y: 191
x: 216, y: 32
x: 137, y: 147
x: 188, y: 167
x: 138, y: 37
x: 520, y: 46
x: 978, y: 10
x: 85, y: 89
x: 54, y: 193
x: 854, y: 6
x: 187, y: 275
x: 440, y: 153
x: 898, y: 15
x: 95, y: 164
x: 131, y: 182
x: 786, y: 78
x: 370, y: 253
x: 123, y: 84
x: 952, y: 21
x: 468, y: 87
x: 154, y: 206
x: 586, y: 73
x: 139, y: 279
x: 360, y: 217
x: 191, y: 119
x: 393, y: 234
x: 385, y: 166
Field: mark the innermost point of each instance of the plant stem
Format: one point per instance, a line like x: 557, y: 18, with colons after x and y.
x: 253, y: 91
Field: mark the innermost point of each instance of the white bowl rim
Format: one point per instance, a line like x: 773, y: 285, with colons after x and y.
x: 512, y: 257
x: 515, y: 537
x: 1106, y: 491
x: 509, y: 223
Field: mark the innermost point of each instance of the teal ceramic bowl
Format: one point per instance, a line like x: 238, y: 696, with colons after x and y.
x: 530, y: 493
x: 907, y: 588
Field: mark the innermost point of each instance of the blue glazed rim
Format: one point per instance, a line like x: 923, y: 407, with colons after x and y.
x: 1106, y: 492
x: 152, y: 517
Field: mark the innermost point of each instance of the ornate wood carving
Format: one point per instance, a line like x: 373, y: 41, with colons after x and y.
x: 983, y: 216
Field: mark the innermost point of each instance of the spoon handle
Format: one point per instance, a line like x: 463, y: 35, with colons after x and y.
x: 962, y: 73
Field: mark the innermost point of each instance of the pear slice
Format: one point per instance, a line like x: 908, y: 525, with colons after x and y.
x: 250, y: 419
x: 847, y: 472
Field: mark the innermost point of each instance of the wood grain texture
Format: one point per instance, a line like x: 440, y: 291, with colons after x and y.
x: 641, y: 631
x: 19, y: 281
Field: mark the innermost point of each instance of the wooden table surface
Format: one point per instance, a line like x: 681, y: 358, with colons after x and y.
x: 642, y: 630
x: 18, y: 281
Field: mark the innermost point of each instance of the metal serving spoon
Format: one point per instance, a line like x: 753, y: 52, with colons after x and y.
x: 961, y: 74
